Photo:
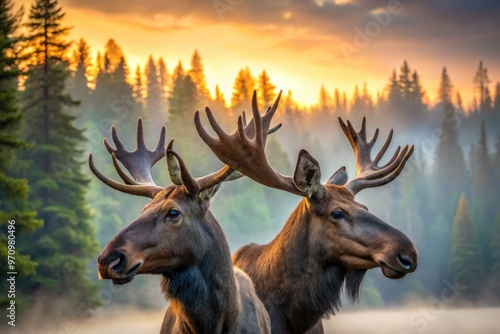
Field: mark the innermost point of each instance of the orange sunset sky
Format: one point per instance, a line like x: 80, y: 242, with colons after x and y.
x: 301, y: 43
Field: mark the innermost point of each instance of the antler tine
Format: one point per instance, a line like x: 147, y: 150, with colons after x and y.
x: 180, y: 175
x: 369, y: 174
x: 384, y: 147
x: 244, y: 149
x: 146, y: 190
x: 257, y: 120
x: 120, y: 171
x: 188, y: 181
x: 357, y: 185
x: 173, y: 168
x: 140, y: 161
x: 140, y: 134
x: 160, y: 146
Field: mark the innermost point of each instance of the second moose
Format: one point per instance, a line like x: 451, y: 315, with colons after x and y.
x: 330, y: 240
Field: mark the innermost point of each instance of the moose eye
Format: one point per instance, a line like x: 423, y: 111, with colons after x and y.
x: 173, y: 214
x: 337, y: 214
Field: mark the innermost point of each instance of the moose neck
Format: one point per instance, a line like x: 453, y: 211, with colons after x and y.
x: 308, y: 288
x: 204, y: 296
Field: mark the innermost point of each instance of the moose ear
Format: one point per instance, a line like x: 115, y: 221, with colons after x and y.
x: 307, y: 176
x: 339, y: 178
x: 208, y: 194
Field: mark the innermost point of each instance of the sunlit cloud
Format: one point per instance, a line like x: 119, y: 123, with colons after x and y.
x: 299, y: 42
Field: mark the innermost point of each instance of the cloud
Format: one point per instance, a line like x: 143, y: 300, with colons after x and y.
x: 416, y: 20
x: 264, y: 33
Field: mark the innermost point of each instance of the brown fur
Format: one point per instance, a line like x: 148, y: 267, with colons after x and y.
x: 192, y: 255
x: 300, y: 274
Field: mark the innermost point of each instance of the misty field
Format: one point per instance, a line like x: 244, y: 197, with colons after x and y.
x: 393, y: 321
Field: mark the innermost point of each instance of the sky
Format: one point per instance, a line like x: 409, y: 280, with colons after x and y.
x: 302, y: 44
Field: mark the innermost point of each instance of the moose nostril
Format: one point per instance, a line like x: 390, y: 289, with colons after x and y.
x: 405, y: 261
x: 117, y: 262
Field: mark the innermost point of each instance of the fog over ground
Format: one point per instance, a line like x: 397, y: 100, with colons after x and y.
x: 428, y: 319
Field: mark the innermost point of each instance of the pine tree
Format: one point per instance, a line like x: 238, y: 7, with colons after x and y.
x: 13, y: 191
x: 79, y: 87
x: 243, y: 88
x: 337, y: 102
x: 483, y: 192
x: 481, y: 82
x: 450, y: 172
x: 496, y: 100
x: 445, y: 88
x: 266, y: 91
x: 178, y: 72
x: 113, y: 99
x: 184, y: 101
x: 197, y: 75
x: 394, y: 97
x: 164, y: 83
x: 465, y: 263
x: 487, y: 104
x: 153, y: 99
x: 81, y: 91
x: 113, y: 55
x: 480, y: 179
x: 367, y: 99
x: 404, y: 81
x: 138, y: 89
x: 289, y: 106
x: 416, y: 99
x: 293, y: 121
x: 324, y: 100
x: 65, y: 243
x: 219, y: 96
x: 344, y: 102
x: 358, y: 106
x: 495, y: 251
x: 496, y: 168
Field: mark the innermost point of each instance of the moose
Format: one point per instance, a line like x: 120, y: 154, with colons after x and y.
x: 177, y: 236
x: 330, y: 240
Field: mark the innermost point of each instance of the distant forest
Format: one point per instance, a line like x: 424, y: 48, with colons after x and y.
x: 57, y: 103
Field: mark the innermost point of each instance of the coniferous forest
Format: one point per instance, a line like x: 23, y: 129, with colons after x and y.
x: 59, y: 98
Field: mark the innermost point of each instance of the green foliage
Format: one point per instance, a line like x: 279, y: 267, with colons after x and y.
x: 495, y: 247
x: 481, y: 82
x: 242, y: 213
x: 14, y: 206
x: 449, y: 174
x: 370, y: 296
x: 183, y: 102
x: 154, y: 95
x: 465, y: 259
x: 80, y: 85
x: 65, y: 243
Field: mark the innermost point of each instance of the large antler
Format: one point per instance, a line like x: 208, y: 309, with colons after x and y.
x: 138, y: 163
x: 244, y: 149
x: 369, y: 174
x: 179, y: 174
